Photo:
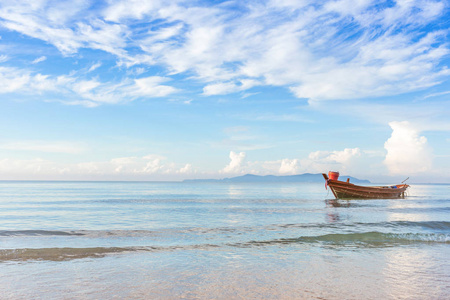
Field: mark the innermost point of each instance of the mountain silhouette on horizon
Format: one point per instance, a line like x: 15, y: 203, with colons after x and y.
x: 306, y: 177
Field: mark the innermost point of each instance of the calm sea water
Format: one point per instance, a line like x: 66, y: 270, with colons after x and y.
x: 116, y: 240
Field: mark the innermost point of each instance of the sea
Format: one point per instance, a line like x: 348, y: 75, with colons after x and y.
x: 219, y: 240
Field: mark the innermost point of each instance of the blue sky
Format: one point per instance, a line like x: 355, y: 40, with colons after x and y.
x: 170, y: 90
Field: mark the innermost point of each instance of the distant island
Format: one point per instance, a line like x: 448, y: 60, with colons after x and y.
x: 307, y: 177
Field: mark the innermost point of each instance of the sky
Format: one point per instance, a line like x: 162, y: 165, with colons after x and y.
x: 174, y: 90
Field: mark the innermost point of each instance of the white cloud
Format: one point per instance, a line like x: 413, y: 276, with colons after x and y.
x: 152, y: 167
x: 186, y: 169
x: 350, y: 161
x: 152, y: 87
x: 436, y: 94
x: 347, y: 161
x: 236, y: 163
x: 407, y: 152
x: 321, y: 51
x: 223, y: 88
x: 10, y: 168
x: 39, y: 59
x: 289, y: 166
x: 24, y: 81
x: 67, y: 25
x: 79, y: 90
x: 83, y: 87
x: 348, y: 7
x: 240, y: 137
x: 12, y: 80
x: 426, y: 114
x: 335, y: 156
x: 220, y: 88
x: 271, y: 117
x: 136, y: 71
x: 389, y: 65
x: 133, y: 9
x: 95, y: 66
x: 239, y: 165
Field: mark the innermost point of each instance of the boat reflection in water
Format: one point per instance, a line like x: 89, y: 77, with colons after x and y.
x: 347, y: 190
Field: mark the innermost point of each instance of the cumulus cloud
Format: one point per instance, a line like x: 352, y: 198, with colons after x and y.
x: 236, y: 163
x: 407, y: 152
x: 157, y: 167
x: 345, y: 161
x: 352, y: 161
x: 10, y: 168
x: 154, y: 167
x: 186, y: 169
x: 335, y: 156
x: 289, y: 166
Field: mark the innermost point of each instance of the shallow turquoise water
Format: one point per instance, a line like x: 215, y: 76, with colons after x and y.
x: 94, y: 240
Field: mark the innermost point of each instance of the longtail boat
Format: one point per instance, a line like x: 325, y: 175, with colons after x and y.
x: 347, y: 190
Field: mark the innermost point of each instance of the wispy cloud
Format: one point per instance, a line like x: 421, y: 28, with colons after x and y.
x: 151, y: 86
x: 80, y: 90
x: 95, y: 66
x: 269, y: 117
x: 66, y: 24
x: 425, y: 115
x: 44, y: 146
x: 13, y: 79
x: 39, y: 59
x: 320, y: 51
x: 436, y: 94
x: 241, y: 138
x: 223, y: 88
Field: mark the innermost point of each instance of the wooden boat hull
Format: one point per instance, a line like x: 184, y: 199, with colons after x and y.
x: 346, y: 190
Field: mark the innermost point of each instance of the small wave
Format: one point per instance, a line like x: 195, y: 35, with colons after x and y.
x: 442, y: 226
x: 374, y: 239
x: 83, y: 233
x: 58, y: 254
x: 364, y: 239
x: 439, y: 225
x: 64, y: 254
x: 37, y: 233
x: 435, y: 225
